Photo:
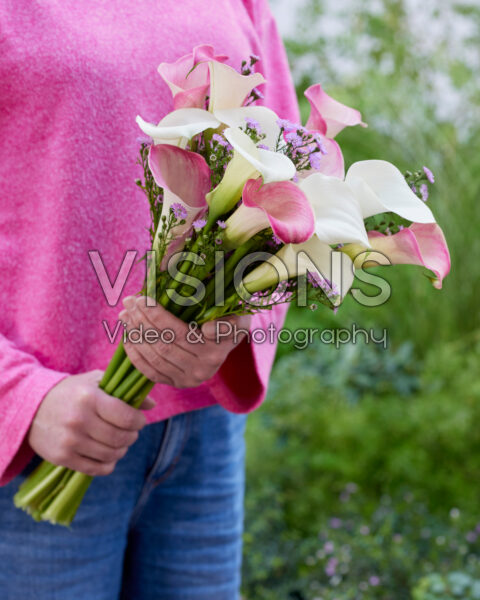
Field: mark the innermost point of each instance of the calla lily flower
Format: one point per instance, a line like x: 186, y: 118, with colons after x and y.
x: 420, y: 244
x: 293, y: 260
x: 380, y: 187
x: 328, y: 115
x: 228, y: 87
x: 189, y: 77
x: 248, y: 162
x: 266, y: 118
x: 338, y: 217
x: 179, y: 126
x: 281, y: 205
x: 169, y: 165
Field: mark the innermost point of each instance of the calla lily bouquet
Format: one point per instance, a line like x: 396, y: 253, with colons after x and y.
x: 249, y: 210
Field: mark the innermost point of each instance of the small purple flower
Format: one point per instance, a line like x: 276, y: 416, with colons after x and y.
x: 179, y: 211
x: 253, y: 124
x: 320, y: 144
x: 144, y: 140
x: 218, y: 241
x: 221, y: 224
x: 331, y: 567
x: 374, y: 581
x: 329, y: 547
x: 254, y: 58
x: 263, y: 147
x: 401, y: 227
x: 424, y: 191
x: 315, y: 160
x: 335, y: 523
x: 414, y: 188
x: 258, y: 93
x: 293, y: 138
x: 276, y: 239
x: 287, y: 125
x: 429, y: 174
x: 199, y: 224
x: 221, y: 141
x: 295, y: 178
x: 471, y: 537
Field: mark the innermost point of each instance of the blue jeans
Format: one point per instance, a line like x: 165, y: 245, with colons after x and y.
x: 166, y: 525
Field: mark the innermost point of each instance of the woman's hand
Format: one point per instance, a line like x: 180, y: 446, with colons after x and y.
x: 81, y: 427
x: 192, y: 357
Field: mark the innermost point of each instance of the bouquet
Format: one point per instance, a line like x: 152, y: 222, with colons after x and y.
x: 249, y: 210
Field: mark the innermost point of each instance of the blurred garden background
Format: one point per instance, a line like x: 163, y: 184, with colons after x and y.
x: 364, y: 463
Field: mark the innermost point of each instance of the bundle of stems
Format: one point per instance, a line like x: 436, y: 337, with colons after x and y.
x: 54, y: 493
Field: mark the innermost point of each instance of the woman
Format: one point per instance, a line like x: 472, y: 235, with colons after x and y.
x: 167, y: 521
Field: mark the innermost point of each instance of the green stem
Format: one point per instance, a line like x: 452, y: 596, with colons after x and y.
x: 126, y: 384
x: 136, y: 388
x: 120, y: 373
x: 116, y: 360
x: 63, y: 508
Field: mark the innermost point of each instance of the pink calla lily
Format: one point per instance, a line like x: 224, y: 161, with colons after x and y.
x: 189, y: 77
x: 280, y: 205
x: 169, y: 166
x: 328, y: 115
x: 420, y: 244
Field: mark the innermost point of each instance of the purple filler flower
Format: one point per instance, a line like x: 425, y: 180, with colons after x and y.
x: 424, y: 191
x: 216, y: 137
x: 221, y: 224
x: 374, y: 581
x: 315, y: 160
x: 287, y: 125
x: 429, y: 174
x: 199, y: 223
x: 253, y: 124
x: 179, y: 211
x: 263, y: 147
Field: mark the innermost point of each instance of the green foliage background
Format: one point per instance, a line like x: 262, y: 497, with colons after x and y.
x: 386, y: 443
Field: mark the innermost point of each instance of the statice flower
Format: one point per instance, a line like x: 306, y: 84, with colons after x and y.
x: 430, y: 176
x: 263, y: 147
x: 221, y: 224
x: 293, y: 138
x: 179, y: 211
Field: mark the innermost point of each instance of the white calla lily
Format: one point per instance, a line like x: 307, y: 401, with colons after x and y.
x: 338, y: 217
x: 266, y: 118
x: 248, y: 162
x: 228, y: 87
x: 273, y: 166
x: 180, y: 124
x: 380, y: 187
x: 293, y: 260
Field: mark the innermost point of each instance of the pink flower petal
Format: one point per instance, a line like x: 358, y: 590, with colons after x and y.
x: 189, y: 77
x: 420, y: 244
x: 331, y: 163
x: 184, y: 173
x: 286, y: 207
x: 328, y: 115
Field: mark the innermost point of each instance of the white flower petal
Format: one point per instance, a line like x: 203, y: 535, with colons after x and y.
x: 181, y: 123
x: 267, y: 119
x: 380, y: 187
x: 272, y: 166
x: 338, y: 218
x: 228, y: 88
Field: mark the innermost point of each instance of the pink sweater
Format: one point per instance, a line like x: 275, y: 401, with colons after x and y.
x: 73, y: 77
